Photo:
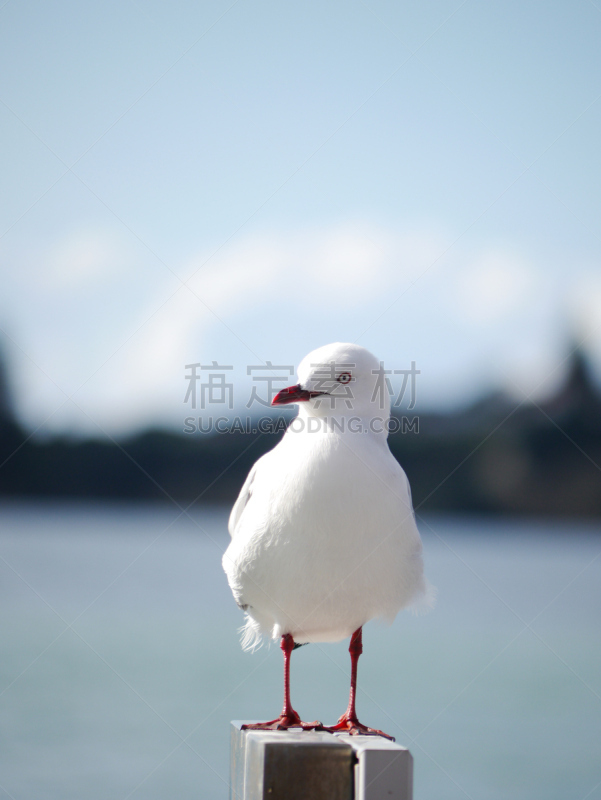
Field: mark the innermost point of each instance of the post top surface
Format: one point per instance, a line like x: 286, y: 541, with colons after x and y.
x: 297, y: 736
x: 369, y: 742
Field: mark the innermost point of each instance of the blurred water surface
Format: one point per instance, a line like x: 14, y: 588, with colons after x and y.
x: 121, y: 666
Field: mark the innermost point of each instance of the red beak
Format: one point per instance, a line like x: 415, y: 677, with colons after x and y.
x: 293, y: 394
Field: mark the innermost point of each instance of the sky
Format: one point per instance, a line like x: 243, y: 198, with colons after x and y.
x: 242, y: 182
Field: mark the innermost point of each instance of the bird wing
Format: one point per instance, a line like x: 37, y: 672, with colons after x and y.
x: 241, y: 502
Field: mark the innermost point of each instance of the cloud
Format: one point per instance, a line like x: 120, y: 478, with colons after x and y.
x: 106, y: 315
x: 84, y: 257
x: 314, y: 266
x: 495, y: 286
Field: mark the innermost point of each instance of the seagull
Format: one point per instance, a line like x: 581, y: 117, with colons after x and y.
x: 323, y: 533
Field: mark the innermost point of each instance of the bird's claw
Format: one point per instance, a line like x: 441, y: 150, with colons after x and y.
x: 283, y: 723
x: 352, y: 726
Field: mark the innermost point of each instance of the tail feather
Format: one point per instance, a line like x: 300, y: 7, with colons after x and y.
x: 252, y: 635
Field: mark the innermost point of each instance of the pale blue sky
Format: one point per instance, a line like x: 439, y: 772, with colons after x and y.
x: 420, y: 178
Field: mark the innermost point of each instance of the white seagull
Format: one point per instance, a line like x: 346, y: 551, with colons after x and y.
x: 323, y: 533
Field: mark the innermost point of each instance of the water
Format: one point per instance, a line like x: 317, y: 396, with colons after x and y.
x: 121, y: 666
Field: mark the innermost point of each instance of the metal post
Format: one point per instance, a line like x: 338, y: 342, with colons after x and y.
x: 383, y: 769
x: 311, y: 765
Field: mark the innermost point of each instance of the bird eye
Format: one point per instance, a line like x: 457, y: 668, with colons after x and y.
x: 344, y: 377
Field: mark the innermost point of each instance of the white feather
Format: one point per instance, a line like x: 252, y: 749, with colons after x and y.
x: 323, y: 532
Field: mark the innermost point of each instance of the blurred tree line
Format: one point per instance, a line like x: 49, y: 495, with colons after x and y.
x: 495, y: 457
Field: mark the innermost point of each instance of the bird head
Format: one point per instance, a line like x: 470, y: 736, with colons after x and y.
x: 339, y: 379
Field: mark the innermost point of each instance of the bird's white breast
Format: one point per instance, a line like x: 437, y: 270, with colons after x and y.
x: 324, y: 537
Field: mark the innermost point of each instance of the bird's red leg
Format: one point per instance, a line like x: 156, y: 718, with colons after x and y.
x: 348, y: 722
x: 288, y: 718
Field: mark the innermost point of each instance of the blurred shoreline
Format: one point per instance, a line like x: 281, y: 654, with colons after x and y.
x: 496, y: 457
